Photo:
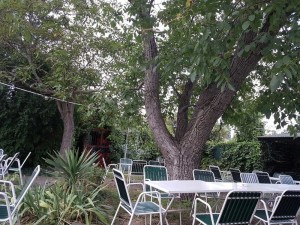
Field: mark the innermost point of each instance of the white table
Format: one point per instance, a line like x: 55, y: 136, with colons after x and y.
x: 197, y: 186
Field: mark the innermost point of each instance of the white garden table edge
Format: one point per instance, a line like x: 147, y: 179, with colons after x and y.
x: 197, y: 186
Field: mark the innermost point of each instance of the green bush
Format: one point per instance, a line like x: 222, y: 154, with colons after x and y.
x: 246, y: 156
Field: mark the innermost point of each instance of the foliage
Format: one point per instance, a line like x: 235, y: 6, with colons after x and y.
x: 245, y: 156
x: 75, y: 196
x: 73, y: 168
x: 29, y: 124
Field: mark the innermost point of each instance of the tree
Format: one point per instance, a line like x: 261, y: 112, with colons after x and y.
x: 205, y: 56
x: 51, y: 48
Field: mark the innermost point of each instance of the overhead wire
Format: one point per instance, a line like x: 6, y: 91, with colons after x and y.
x: 38, y: 94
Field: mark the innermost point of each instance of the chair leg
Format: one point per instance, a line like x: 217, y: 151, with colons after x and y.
x: 115, y: 216
x: 131, y: 217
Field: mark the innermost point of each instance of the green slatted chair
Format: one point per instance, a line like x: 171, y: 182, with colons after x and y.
x: 140, y: 207
x: 238, y: 208
x: 284, y: 210
x: 10, y: 209
x: 207, y: 176
x: 157, y: 173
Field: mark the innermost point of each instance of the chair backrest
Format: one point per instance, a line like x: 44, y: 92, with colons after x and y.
x: 286, y: 179
x: 155, y: 173
x: 217, y: 172
x: 1, y: 151
x: 204, y: 175
x: 9, y: 161
x: 125, y: 164
x: 239, y: 207
x: 154, y: 162
x: 263, y: 177
x: 236, y: 174
x: 25, y: 159
x: 287, y: 206
x: 138, y: 167
x: 249, y: 178
x: 122, y: 188
x: 26, y: 187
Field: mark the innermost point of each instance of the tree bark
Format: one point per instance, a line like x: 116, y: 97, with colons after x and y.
x: 67, y: 115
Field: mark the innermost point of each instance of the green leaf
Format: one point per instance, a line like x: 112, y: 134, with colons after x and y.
x: 288, y: 73
x: 275, y: 82
x: 245, y: 25
x: 193, y: 75
x: 251, y: 17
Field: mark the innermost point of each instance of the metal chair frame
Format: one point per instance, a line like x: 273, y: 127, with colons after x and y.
x: 141, y: 206
x: 238, y: 208
x: 19, y: 167
x: 10, y: 209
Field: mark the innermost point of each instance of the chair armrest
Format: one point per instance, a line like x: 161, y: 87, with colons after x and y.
x: 135, y: 184
x: 4, y: 196
x: 158, y: 196
x: 12, y: 188
x: 206, y: 204
x: 266, y: 208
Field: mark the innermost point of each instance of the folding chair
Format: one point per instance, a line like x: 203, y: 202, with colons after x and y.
x: 235, y: 174
x: 108, y: 168
x: 284, y: 210
x: 140, y: 207
x: 19, y: 167
x: 207, y: 176
x: 137, y: 168
x: 125, y: 166
x: 263, y: 177
x: 7, y: 164
x: 249, y: 178
x: 217, y: 172
x: 10, y: 209
x: 286, y: 179
x: 238, y: 208
x: 158, y: 173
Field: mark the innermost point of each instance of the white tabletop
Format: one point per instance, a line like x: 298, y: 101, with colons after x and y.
x: 197, y: 186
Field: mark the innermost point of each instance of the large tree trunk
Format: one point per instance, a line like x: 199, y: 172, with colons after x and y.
x: 67, y: 115
x: 183, y: 152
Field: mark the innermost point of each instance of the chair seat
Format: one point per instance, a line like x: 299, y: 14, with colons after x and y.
x: 260, y: 213
x: 206, y: 219
x: 3, y: 212
x: 147, y: 208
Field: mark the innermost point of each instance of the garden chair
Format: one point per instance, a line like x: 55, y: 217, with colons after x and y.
x: 7, y: 163
x: 217, y: 172
x: 238, y: 208
x: 284, y: 210
x: 137, y: 168
x: 140, y: 207
x: 9, y: 210
x: 125, y: 166
x: 207, y: 176
x: 235, y: 174
x: 263, y: 177
x: 249, y: 178
x: 19, y: 167
x: 108, y: 168
x: 159, y: 173
x: 286, y: 179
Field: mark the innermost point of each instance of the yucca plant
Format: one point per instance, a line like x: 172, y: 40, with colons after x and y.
x: 72, y: 168
x: 76, y: 197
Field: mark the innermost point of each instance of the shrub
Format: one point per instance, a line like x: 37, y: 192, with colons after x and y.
x: 246, y: 156
x: 74, y: 197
